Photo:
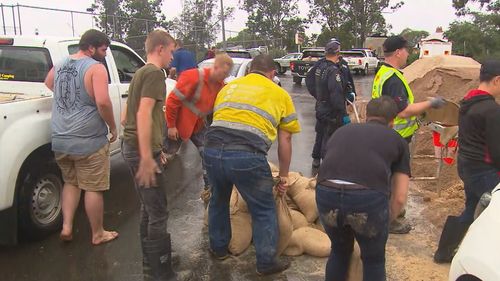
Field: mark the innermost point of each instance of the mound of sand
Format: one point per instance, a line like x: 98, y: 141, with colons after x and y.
x: 448, y: 76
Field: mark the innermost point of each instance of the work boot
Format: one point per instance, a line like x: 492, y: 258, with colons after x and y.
x: 158, y: 254
x: 220, y: 255
x: 399, y: 226
x: 278, y: 267
x: 453, y: 232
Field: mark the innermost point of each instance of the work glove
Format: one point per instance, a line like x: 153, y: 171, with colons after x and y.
x: 346, y: 120
x: 437, y: 102
x: 351, y: 96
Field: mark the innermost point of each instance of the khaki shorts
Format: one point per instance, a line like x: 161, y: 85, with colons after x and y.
x: 87, y: 172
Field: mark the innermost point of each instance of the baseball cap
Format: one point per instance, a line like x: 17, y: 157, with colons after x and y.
x: 333, y: 46
x: 491, y: 67
x: 394, y: 43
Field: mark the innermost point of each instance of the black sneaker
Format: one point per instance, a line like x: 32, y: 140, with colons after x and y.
x: 399, y: 227
x: 222, y: 255
x: 280, y: 266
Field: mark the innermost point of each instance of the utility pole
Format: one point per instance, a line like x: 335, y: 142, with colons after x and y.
x: 224, y: 44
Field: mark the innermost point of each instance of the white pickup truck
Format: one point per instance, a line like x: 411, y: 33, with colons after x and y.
x: 30, y: 181
x: 361, y: 60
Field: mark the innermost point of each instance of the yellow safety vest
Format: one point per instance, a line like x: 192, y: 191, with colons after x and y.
x: 257, y: 105
x: 406, y: 127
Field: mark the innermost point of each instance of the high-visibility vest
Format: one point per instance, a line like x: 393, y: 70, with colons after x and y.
x: 406, y: 127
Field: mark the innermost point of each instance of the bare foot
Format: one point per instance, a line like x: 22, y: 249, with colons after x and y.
x: 105, y: 237
x: 66, y: 235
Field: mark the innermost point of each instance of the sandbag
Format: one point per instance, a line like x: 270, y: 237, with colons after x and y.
x: 284, y: 223
x: 308, y: 240
x: 355, y: 272
x: 313, y: 182
x: 291, y: 204
x: 318, y: 226
x: 298, y: 219
x: 297, y: 183
x: 306, y: 200
x: 241, y: 225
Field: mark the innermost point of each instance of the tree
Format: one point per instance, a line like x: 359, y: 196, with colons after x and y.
x: 359, y: 18
x: 274, y: 19
x: 413, y: 36
x: 129, y: 21
x: 462, y: 6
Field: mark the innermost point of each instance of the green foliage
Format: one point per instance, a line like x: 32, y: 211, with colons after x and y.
x: 350, y: 19
x: 346, y: 39
x: 274, y: 20
x: 129, y: 21
x: 462, y: 6
x: 478, y: 38
x: 413, y: 36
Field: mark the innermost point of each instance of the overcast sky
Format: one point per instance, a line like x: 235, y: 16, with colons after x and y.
x: 416, y: 14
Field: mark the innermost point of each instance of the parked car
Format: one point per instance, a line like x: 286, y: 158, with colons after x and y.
x: 478, y: 255
x: 283, y: 63
x: 360, y: 61
x: 241, y: 68
x: 30, y: 180
x: 300, y: 67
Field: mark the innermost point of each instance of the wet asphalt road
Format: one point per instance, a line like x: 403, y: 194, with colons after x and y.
x: 50, y: 259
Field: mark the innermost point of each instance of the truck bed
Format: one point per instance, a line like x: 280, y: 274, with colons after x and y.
x: 14, y: 97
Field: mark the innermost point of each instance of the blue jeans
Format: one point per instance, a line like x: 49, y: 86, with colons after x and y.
x: 477, y: 181
x: 348, y: 214
x: 250, y: 173
x: 153, y: 213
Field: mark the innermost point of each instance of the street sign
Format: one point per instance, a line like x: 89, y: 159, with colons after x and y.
x: 299, y: 38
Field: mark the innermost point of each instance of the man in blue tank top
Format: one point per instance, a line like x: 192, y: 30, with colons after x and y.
x: 82, y: 117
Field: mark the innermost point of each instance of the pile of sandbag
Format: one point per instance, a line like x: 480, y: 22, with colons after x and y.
x: 300, y: 231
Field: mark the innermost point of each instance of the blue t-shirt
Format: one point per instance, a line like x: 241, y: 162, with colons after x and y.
x: 183, y: 60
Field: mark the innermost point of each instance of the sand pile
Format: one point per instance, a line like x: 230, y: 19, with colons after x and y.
x: 448, y: 76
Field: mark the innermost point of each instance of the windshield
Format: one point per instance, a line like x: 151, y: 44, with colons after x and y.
x: 239, y: 54
x: 352, y: 54
x: 314, y: 54
x: 234, y: 70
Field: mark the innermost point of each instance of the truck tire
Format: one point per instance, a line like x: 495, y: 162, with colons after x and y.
x: 297, y: 80
x: 39, y: 200
x: 280, y: 69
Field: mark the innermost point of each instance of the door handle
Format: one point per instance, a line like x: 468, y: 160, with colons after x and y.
x: 125, y: 95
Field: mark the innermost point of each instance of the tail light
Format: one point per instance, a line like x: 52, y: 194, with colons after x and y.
x: 6, y: 41
x: 360, y: 62
x: 292, y: 66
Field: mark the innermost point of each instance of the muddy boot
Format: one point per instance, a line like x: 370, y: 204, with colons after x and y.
x: 278, y: 267
x: 399, y: 226
x: 453, y: 233
x: 315, y: 164
x: 158, y: 254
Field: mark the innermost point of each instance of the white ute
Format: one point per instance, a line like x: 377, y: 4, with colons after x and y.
x: 30, y: 180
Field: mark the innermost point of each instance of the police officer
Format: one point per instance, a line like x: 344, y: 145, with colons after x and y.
x: 389, y: 81
x: 330, y: 82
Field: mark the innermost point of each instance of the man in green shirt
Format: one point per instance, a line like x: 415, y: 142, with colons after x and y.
x: 141, y: 149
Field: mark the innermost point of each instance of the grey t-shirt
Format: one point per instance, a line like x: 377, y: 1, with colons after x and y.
x: 77, y: 126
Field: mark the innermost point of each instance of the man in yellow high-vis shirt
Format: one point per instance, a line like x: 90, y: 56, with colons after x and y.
x: 249, y: 114
x: 389, y: 81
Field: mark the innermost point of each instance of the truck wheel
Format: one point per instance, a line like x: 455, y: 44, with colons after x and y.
x: 365, y: 71
x: 40, y: 200
x: 297, y: 80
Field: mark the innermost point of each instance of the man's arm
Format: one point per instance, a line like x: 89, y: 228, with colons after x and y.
x: 284, y: 158
x: 400, y: 183
x: 49, y: 80
x: 146, y: 174
x: 99, y: 80
x: 493, y: 137
x: 415, y: 109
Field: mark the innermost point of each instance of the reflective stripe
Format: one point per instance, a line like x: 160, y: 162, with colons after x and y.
x: 242, y: 127
x: 254, y: 109
x: 409, y: 123
x: 191, y: 105
x: 289, y: 118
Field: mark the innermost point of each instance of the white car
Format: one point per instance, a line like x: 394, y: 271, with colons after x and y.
x: 479, y: 254
x: 241, y: 68
x: 283, y: 63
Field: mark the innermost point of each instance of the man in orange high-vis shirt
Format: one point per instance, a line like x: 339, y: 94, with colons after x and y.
x: 189, y: 104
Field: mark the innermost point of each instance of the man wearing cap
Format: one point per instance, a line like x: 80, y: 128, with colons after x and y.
x: 328, y: 81
x: 389, y: 81
x: 479, y: 154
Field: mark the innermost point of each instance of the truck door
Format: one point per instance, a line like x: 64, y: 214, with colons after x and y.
x: 126, y: 63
